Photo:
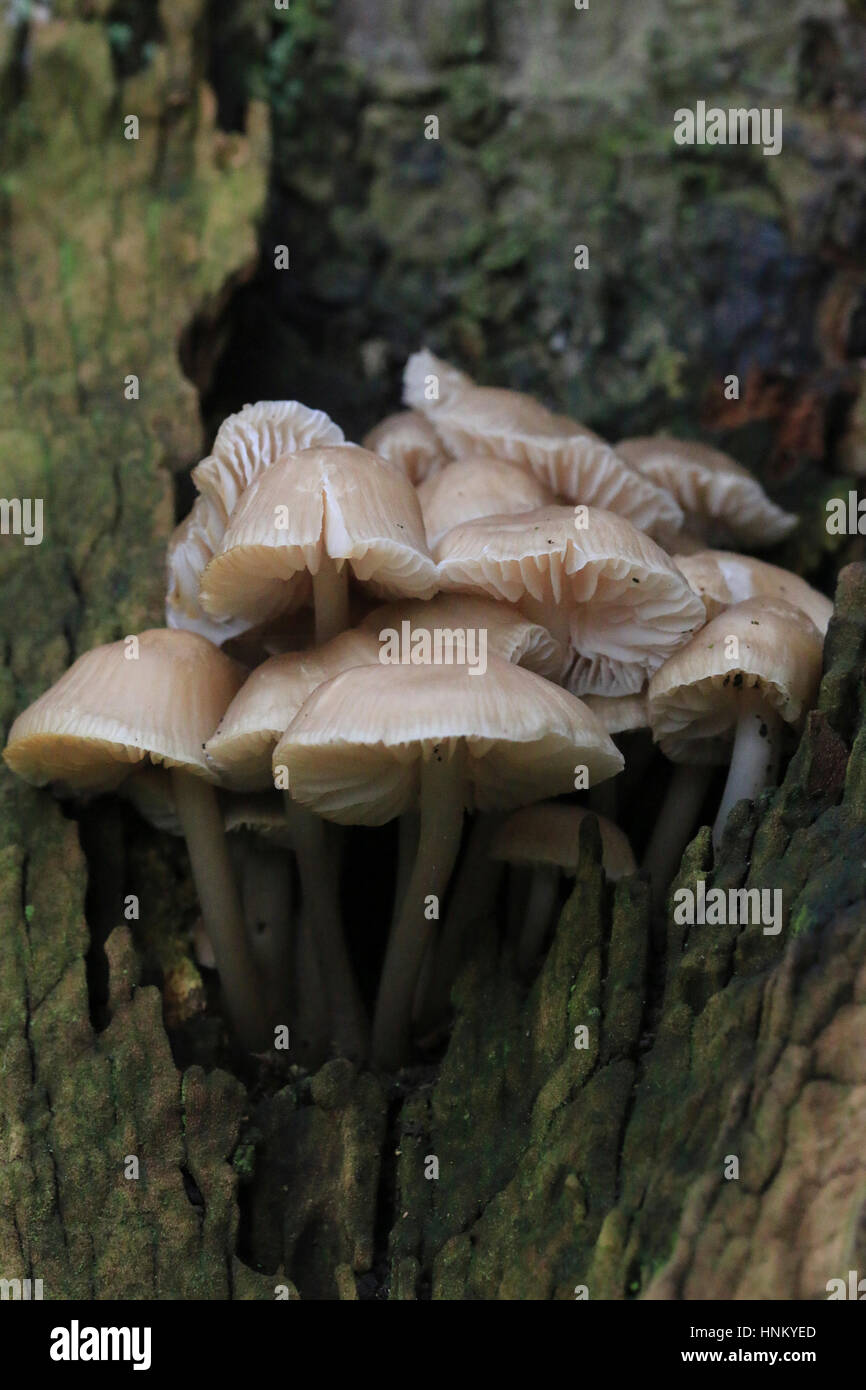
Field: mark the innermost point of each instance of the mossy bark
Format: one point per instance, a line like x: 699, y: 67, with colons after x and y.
x: 559, y: 1166
x: 109, y: 247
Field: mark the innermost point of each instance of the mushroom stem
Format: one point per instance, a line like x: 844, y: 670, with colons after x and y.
x: 675, y: 823
x: 266, y: 895
x: 200, y: 817
x: 320, y: 907
x: 312, y: 1007
x: 474, y: 890
x: 330, y: 599
x: 407, y: 849
x: 754, y: 761
x: 540, y: 907
x: 442, y: 801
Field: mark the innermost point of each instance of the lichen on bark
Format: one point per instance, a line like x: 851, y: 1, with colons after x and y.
x: 109, y: 247
x: 560, y: 1167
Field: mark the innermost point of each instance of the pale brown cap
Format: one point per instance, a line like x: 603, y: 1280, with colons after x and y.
x: 410, y: 441
x: 110, y: 712
x: 722, y: 578
x: 719, y: 497
x: 190, y: 548
x: 695, y: 699
x: 477, y: 487
x: 250, y: 441
x: 241, y: 747
x: 353, y: 753
x: 509, y: 633
x: 570, y: 460
x: 549, y: 833
x: 620, y: 714
x: 246, y: 444
x: 345, y: 503
x: 606, y: 591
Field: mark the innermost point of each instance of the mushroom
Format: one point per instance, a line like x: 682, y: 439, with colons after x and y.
x: 288, y: 958
x: 474, y: 488
x: 753, y: 669
x: 466, y: 628
x: 154, y: 698
x: 377, y: 741
x: 620, y: 714
x: 190, y: 547
x: 506, y: 632
x: 721, y: 500
x: 149, y: 792
x: 609, y: 594
x: 150, y: 795
x: 545, y: 839
x: 253, y: 440
x: 722, y: 578
x: 245, y: 445
x: 313, y: 516
x: 241, y: 750
x: 570, y: 460
x: 410, y: 441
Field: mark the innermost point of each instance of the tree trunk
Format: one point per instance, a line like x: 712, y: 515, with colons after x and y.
x: 132, y: 1166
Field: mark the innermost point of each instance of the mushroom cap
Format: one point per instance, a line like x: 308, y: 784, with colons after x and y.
x: 246, y: 444
x: 408, y: 440
x: 355, y: 750
x: 510, y: 634
x: 696, y: 697
x: 263, y: 815
x: 477, y: 487
x: 570, y: 460
x: 250, y: 441
x: 241, y: 747
x: 190, y: 548
x: 722, y: 578
x: 108, y: 713
x: 712, y: 488
x: 606, y: 591
x: 620, y: 714
x: 549, y: 833
x: 345, y: 503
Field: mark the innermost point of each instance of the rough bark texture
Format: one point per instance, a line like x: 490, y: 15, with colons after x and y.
x: 559, y: 1166
x: 109, y: 247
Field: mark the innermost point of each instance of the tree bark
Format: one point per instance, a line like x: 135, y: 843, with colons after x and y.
x: 561, y: 1167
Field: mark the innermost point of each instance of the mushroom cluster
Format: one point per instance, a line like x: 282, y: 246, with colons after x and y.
x: 445, y: 627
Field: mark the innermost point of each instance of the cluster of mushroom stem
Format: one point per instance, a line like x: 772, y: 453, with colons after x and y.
x: 755, y: 757
x: 219, y: 899
x: 330, y: 599
x: 321, y: 915
x: 462, y: 512
x: 442, y: 797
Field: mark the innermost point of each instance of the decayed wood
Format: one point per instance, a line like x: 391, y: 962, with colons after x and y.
x: 109, y: 246
x: 561, y: 1169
